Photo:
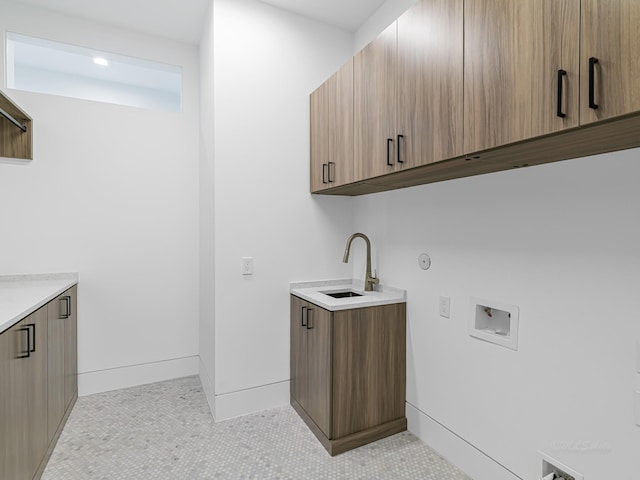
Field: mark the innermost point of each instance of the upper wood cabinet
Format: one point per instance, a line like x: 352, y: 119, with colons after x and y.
x: 408, y: 91
x: 374, y: 92
x: 331, y: 108
x: 430, y: 73
x: 610, y: 69
x: 456, y: 88
x: 521, y: 70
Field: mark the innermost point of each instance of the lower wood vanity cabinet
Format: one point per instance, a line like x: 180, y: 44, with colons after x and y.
x: 348, y: 372
x: 38, y: 386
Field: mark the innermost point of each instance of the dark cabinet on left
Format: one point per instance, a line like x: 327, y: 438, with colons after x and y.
x: 27, y: 384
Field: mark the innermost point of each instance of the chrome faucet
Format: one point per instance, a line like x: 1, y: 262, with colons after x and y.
x: 369, y: 281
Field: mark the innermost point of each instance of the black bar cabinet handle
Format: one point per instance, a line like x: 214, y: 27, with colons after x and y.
x: 67, y: 300
x: 33, y: 345
x: 329, y: 169
x: 400, y: 137
x: 592, y: 83
x: 324, y: 176
x: 309, y: 326
x: 302, y: 324
x: 389, y: 147
x: 27, y: 353
x: 561, y: 75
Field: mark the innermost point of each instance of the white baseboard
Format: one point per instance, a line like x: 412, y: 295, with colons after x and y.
x: 132, y: 376
x: 456, y: 450
x: 207, y: 387
x: 236, y: 404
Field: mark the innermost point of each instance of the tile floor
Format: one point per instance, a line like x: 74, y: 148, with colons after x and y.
x: 165, y: 431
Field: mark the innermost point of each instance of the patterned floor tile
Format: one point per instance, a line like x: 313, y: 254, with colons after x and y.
x: 165, y: 431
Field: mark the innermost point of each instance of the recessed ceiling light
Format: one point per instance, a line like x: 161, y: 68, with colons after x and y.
x: 103, y: 62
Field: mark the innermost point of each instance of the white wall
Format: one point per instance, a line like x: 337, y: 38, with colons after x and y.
x: 207, y: 212
x: 561, y: 242
x: 266, y: 63
x: 381, y: 19
x: 112, y: 193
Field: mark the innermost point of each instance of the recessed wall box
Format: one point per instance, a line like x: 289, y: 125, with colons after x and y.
x: 551, y: 465
x: 495, y: 322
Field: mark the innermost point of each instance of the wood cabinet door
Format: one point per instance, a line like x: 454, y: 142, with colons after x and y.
x: 512, y: 54
x: 610, y: 35
x: 36, y: 394
x: 319, y: 139
x: 56, y: 310
x: 14, y: 460
x: 375, y: 84
x: 71, y: 348
x: 340, y: 126
x: 369, y: 367
x: 559, y: 75
x: 430, y: 81
x: 319, y: 333
x: 298, y: 354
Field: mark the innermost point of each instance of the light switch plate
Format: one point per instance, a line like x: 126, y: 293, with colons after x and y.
x: 445, y: 307
x: 636, y: 407
x: 247, y: 266
x: 638, y: 356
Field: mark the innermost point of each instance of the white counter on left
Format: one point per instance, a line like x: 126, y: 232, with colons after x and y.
x: 21, y: 295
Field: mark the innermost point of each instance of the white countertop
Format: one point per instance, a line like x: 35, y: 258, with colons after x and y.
x: 21, y: 295
x: 313, y: 292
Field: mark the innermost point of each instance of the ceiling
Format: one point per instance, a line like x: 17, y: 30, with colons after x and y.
x: 346, y: 14
x: 181, y: 20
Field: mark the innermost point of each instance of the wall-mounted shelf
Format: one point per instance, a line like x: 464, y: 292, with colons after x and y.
x: 16, y: 136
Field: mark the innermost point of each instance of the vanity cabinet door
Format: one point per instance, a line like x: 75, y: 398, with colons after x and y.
x: 369, y: 367
x: 311, y: 361
x: 70, y: 347
x: 298, y: 357
x: 57, y: 310
x: 318, y: 379
x: 36, y: 393
x: 14, y: 463
x: 23, y: 397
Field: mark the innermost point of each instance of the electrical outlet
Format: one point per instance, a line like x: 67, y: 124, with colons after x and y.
x: 445, y: 307
x: 247, y: 266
